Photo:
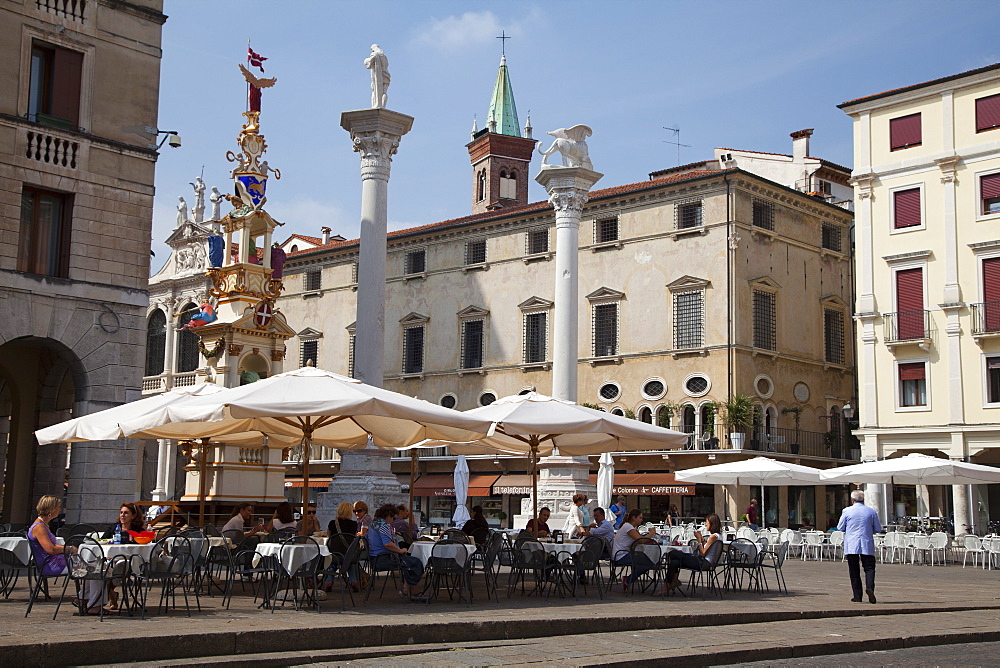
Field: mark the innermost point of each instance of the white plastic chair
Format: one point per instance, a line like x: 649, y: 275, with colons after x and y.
x: 775, y: 537
x: 992, y: 552
x: 837, y: 543
x: 794, y: 539
x: 973, y: 545
x: 879, y: 547
x: 813, y: 545
x: 921, y: 543
x: 940, y: 542
x: 748, y: 533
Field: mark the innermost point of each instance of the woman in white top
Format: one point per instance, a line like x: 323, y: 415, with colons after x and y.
x: 284, y: 518
x: 575, y: 522
x: 624, y: 538
x: 677, y: 559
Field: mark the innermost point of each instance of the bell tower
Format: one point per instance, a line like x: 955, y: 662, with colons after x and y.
x: 500, y: 155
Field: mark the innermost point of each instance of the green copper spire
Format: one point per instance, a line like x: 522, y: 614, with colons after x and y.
x: 503, y: 114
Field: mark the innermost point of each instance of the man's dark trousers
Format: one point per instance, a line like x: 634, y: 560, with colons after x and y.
x: 867, y: 561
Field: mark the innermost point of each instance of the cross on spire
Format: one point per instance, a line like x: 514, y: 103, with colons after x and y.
x: 503, y: 42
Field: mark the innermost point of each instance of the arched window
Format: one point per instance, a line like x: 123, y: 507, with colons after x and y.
x: 481, y: 188
x: 508, y: 185
x: 156, y: 342
x: 688, y: 419
x: 187, y: 343
x: 646, y: 415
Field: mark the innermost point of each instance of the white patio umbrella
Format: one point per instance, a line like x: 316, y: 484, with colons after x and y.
x: 534, y: 424
x: 606, y: 484
x: 914, y: 469
x: 461, y: 515
x: 106, y: 426
x: 318, y: 407
x: 761, y: 471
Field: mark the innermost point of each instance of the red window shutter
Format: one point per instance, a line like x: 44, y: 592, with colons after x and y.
x: 987, y: 113
x: 906, y: 208
x: 67, y: 69
x: 910, y: 290
x: 991, y: 294
x: 912, y: 371
x: 989, y: 186
x: 904, y: 131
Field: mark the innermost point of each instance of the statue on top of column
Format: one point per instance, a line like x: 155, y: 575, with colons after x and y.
x: 379, y: 65
x: 198, y: 210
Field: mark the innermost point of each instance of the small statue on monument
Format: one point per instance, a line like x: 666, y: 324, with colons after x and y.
x: 216, y: 198
x: 277, y: 261
x: 571, y: 144
x: 182, y: 211
x: 215, y: 245
x: 199, y: 199
x: 379, y: 65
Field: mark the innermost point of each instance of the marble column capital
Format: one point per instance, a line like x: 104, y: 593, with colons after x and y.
x: 375, y: 134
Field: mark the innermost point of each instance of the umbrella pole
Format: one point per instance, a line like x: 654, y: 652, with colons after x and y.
x: 534, y: 485
x: 306, y: 450
x: 203, y: 483
x: 413, y: 478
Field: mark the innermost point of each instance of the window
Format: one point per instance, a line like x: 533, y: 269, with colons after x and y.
x: 688, y: 215
x: 354, y: 273
x: 610, y: 391
x: 904, y: 132
x: 989, y: 319
x: 987, y: 113
x: 538, y: 241
x: 764, y: 320
x: 606, y: 230
x: 508, y: 185
x: 645, y: 415
x: 487, y: 398
x: 833, y: 336
x: 989, y: 193
x: 763, y: 214
x: 910, y: 304
x: 535, y: 326
x: 481, y: 186
x: 696, y: 385
x: 472, y: 344
x: 54, y: 86
x: 689, y: 316
x: 187, y: 342
x: 449, y: 401
x: 913, y: 384
x: 156, y: 342
x: 654, y: 388
x: 43, y: 240
x: 415, y: 262
x: 906, y: 208
x: 310, y: 353
x: 605, y: 330
x: 313, y: 280
x: 351, y: 343
x: 831, y: 238
x: 993, y: 380
x: 413, y: 349
x: 475, y: 251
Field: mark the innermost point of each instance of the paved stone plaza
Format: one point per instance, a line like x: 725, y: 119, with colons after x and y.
x: 918, y: 606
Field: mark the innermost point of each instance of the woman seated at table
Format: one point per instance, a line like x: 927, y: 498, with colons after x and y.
x: 624, y: 538
x: 361, y: 514
x: 478, y: 521
x: 310, y: 523
x: 129, y: 519
x: 382, y: 540
x: 283, y: 518
x: 242, y: 513
x: 51, y: 557
x: 343, y: 523
x: 676, y: 560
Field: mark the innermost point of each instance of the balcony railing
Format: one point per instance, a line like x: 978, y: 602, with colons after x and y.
x: 777, y: 440
x: 51, y: 149
x: 985, y: 318
x: 907, y: 326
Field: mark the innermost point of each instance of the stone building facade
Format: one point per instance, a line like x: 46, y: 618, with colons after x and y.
x: 927, y: 183
x: 76, y: 197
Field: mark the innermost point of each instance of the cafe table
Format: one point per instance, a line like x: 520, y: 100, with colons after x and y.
x: 570, y: 546
x: 291, y: 557
x: 19, y: 546
x: 422, y: 549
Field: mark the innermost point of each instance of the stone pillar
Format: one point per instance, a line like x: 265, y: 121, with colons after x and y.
x: 366, y: 475
x: 960, y: 500
x: 376, y: 134
x: 821, y: 521
x: 568, y: 189
x: 875, y: 499
x: 923, y: 495
x: 782, y: 507
x: 160, y: 492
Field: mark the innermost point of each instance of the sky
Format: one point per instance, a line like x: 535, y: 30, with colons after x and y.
x: 727, y: 74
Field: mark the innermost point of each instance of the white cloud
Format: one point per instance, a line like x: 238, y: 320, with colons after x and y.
x: 472, y: 29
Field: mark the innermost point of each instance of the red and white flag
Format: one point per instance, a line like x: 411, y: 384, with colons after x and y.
x: 255, y: 59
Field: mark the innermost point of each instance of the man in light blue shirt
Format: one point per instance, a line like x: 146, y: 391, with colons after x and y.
x: 602, y: 527
x: 860, y: 524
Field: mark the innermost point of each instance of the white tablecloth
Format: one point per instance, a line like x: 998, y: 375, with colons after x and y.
x: 556, y: 548
x: 292, y: 556
x: 422, y: 550
x: 19, y: 546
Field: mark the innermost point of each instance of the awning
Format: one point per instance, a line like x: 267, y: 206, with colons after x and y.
x: 443, y: 484
x: 313, y: 482
x: 513, y: 484
x: 648, y: 484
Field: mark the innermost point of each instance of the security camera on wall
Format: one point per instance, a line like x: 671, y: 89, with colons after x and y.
x: 174, y: 141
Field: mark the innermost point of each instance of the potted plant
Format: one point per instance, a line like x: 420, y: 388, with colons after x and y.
x: 666, y: 414
x: 796, y: 413
x: 739, y: 412
x: 711, y: 410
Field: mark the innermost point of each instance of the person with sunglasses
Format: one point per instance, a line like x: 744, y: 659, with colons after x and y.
x: 310, y: 524
x: 362, y: 516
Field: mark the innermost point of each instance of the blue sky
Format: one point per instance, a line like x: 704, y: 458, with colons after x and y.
x: 735, y: 74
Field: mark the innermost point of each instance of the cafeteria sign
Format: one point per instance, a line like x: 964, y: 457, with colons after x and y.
x: 654, y: 490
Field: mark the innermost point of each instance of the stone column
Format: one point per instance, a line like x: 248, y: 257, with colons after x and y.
x: 160, y: 492
x: 376, y: 134
x: 568, y: 189
x: 960, y: 499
